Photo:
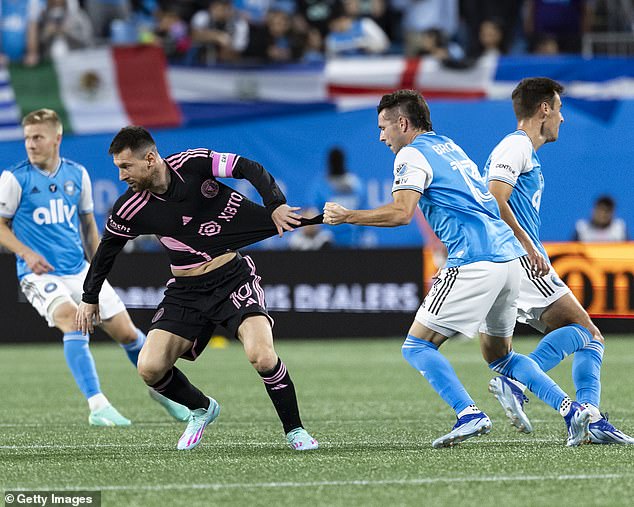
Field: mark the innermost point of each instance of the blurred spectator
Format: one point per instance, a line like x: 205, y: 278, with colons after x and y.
x: 319, y: 13
x: 602, y: 226
x: 344, y: 188
x: 491, y: 38
x: 173, y: 34
x: 434, y: 43
x: 276, y: 41
x: 352, y: 34
x: 103, y: 12
x: 62, y: 28
x: 474, y: 13
x: 219, y: 34
x: 546, y: 45
x: 313, y: 46
x: 19, y: 31
x: 422, y: 16
x: 311, y: 237
x: 565, y: 20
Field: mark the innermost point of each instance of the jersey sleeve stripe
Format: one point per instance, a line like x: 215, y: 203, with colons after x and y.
x: 140, y: 206
x: 408, y: 187
x: 177, y: 161
x: 503, y: 179
x: 129, y: 202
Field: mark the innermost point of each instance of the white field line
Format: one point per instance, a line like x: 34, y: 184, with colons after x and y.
x: 414, y: 447
x: 216, y: 486
x: 500, y: 420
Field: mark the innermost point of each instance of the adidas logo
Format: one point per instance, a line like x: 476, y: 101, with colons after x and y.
x: 186, y: 220
x: 35, y: 190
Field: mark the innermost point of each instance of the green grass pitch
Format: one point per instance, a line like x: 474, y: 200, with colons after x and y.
x: 374, y: 416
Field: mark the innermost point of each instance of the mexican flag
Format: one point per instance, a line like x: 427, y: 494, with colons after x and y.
x: 99, y: 89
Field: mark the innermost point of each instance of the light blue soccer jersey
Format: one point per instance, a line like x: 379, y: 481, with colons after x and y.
x: 455, y: 201
x: 44, y: 209
x: 514, y: 161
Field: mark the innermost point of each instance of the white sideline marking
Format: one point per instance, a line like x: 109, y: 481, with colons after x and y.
x: 415, y: 447
x: 387, y: 482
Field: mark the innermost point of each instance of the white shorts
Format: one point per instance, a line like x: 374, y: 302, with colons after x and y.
x: 46, y: 292
x: 536, y: 294
x: 462, y: 298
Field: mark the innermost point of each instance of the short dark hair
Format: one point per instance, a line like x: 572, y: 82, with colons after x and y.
x: 607, y: 201
x: 134, y: 137
x: 411, y: 104
x: 531, y: 92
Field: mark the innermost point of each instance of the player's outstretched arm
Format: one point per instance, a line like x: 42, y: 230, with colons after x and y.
x: 502, y: 192
x: 399, y: 212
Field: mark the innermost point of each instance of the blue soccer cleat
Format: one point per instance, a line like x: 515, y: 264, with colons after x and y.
x: 176, y: 410
x: 107, y: 416
x: 300, y: 440
x: 578, y: 422
x: 468, y: 426
x: 198, y: 421
x: 602, y: 432
x: 512, y: 400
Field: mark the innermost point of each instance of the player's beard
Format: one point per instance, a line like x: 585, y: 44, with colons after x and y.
x: 550, y: 136
x: 139, y: 185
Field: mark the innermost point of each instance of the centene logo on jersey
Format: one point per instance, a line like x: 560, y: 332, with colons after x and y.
x: 56, y: 213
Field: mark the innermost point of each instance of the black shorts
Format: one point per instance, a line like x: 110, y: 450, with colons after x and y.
x: 193, y: 307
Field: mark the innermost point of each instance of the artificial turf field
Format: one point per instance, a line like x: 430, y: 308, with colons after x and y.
x: 374, y: 416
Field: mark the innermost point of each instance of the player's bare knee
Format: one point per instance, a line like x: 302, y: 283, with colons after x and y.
x: 151, y: 370
x: 64, y: 317
x: 262, y: 358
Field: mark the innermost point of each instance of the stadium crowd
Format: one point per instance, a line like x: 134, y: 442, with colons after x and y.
x: 206, y: 32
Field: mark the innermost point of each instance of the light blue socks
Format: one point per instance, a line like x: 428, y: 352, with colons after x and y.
x: 527, y: 371
x: 586, y: 363
x: 81, y: 363
x: 425, y: 358
x: 133, y: 349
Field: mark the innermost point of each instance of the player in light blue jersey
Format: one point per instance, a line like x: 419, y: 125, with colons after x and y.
x: 546, y: 303
x: 46, y: 210
x: 480, y: 281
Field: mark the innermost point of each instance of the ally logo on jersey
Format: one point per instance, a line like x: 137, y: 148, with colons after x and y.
x: 55, y: 213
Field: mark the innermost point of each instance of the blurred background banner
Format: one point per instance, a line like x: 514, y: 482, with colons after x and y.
x: 345, y: 293
x: 323, y: 294
x: 99, y: 90
x: 601, y: 275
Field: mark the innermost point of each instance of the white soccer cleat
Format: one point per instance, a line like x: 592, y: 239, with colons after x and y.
x: 512, y: 400
x: 468, y: 426
x: 300, y: 440
x: 198, y: 421
x: 578, y: 422
x: 602, y: 432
